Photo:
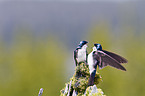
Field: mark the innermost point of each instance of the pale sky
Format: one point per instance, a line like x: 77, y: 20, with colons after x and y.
x: 73, y: 0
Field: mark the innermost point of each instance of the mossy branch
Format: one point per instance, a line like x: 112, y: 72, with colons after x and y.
x: 78, y: 85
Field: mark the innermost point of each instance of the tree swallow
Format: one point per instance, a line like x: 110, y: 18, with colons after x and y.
x: 80, y: 54
x: 102, y: 58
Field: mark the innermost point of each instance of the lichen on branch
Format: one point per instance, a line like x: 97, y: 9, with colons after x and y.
x: 78, y: 85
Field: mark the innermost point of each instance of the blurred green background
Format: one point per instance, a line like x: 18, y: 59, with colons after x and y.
x: 37, y: 40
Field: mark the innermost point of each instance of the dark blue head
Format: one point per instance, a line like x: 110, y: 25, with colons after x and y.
x: 98, y: 46
x: 82, y: 43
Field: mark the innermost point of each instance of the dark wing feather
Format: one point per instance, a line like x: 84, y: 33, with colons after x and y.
x: 97, y: 58
x: 75, y: 56
x: 86, y: 57
x: 116, y: 57
x: 108, y: 60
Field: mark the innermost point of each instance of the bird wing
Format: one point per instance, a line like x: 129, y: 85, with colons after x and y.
x: 105, y: 60
x: 75, y: 56
x: 116, y: 57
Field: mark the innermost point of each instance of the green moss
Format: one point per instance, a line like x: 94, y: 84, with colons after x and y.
x: 80, y: 80
x: 97, y: 79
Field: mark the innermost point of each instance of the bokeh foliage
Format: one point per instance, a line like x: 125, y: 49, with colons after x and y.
x: 31, y: 62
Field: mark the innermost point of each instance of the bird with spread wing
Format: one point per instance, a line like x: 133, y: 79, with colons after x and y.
x: 102, y: 58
